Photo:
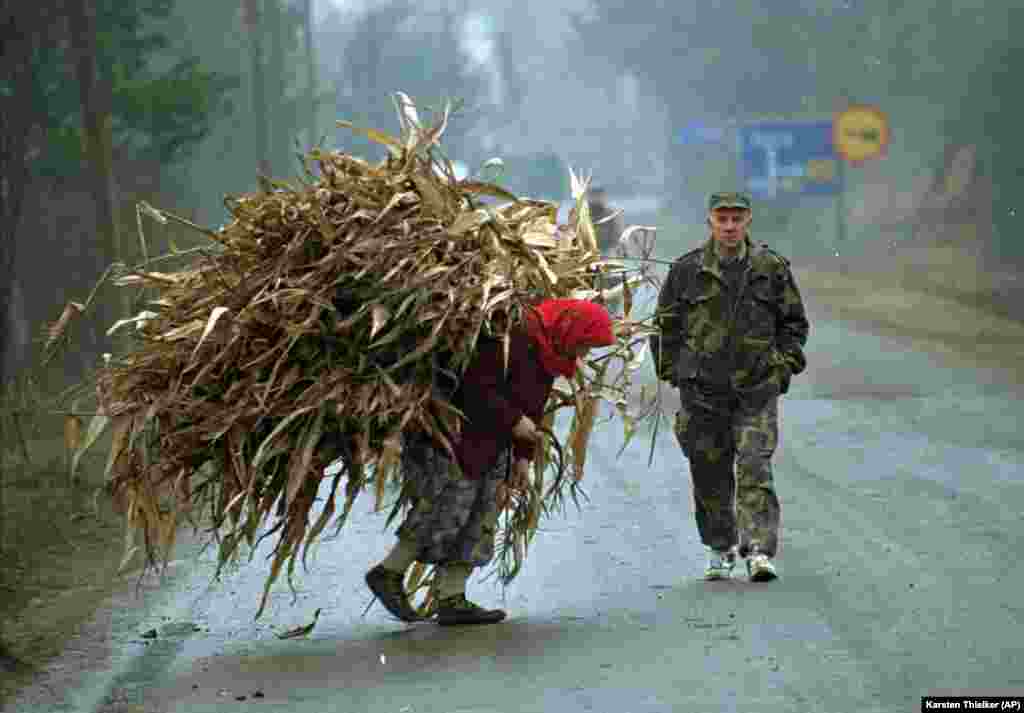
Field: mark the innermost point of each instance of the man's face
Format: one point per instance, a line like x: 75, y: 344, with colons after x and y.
x: 729, y: 226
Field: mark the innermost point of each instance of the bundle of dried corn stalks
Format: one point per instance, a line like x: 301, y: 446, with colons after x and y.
x: 325, y: 320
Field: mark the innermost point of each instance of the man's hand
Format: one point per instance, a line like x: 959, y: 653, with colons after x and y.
x: 782, y: 364
x: 526, y: 430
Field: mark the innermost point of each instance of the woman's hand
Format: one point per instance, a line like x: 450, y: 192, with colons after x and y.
x: 526, y: 430
x: 518, y: 482
x: 503, y: 496
x: 521, y: 475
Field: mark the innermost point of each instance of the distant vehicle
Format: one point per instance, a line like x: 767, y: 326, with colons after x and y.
x: 637, y: 211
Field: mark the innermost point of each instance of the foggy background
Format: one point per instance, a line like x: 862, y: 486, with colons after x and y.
x: 200, y: 96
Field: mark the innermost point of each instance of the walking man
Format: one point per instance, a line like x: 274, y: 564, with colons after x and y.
x: 732, y: 331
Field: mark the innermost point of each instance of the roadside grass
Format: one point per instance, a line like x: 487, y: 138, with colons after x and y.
x: 60, y: 544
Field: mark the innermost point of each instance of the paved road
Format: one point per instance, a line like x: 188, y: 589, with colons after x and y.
x: 902, y: 492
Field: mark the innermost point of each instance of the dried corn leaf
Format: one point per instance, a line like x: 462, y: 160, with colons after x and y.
x: 586, y: 412
x: 390, y: 456
x: 468, y: 222
x: 137, y: 320
x: 96, y: 427
x: 120, y: 441
x: 376, y: 136
x: 540, y: 240
x: 210, y: 324
x: 300, y: 470
x: 486, y: 189
x: 59, y: 328
x: 379, y: 317
x: 415, y: 578
x: 433, y: 201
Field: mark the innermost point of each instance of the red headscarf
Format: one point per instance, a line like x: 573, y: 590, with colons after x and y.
x: 558, y: 326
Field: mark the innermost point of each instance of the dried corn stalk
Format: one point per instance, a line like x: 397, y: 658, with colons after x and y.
x: 315, y: 330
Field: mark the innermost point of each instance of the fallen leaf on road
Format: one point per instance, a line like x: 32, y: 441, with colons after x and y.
x: 300, y: 631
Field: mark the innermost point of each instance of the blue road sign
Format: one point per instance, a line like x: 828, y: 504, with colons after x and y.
x: 696, y: 133
x: 784, y: 159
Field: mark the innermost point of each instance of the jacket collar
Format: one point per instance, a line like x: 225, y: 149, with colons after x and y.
x: 709, y: 256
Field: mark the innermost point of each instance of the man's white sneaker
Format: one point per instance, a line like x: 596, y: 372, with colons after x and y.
x: 720, y: 565
x: 760, y: 568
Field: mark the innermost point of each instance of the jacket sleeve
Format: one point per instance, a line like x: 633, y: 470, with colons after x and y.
x: 523, y: 450
x: 793, y: 327
x: 482, y: 400
x: 667, y: 342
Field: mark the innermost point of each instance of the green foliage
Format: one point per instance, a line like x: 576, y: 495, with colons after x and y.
x: 169, y: 115
x: 124, y: 41
x: 155, y: 114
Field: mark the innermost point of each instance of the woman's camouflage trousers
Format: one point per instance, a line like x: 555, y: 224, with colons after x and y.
x: 452, y: 519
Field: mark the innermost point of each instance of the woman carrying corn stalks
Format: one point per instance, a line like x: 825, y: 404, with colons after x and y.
x: 454, y: 511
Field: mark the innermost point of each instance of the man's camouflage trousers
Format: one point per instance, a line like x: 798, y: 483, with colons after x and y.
x: 729, y: 445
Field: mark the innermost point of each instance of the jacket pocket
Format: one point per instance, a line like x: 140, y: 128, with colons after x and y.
x: 700, y: 318
x: 762, y: 310
x: 686, y: 366
x: 696, y: 299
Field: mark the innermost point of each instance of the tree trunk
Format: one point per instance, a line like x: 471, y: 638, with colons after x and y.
x: 285, y: 121
x: 96, y: 97
x: 21, y: 34
x: 314, y: 104
x: 252, y: 19
x: 274, y: 84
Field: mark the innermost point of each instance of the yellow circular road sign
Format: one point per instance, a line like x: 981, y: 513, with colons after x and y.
x: 860, y: 133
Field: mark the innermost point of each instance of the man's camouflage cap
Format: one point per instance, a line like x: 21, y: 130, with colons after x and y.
x: 729, y: 200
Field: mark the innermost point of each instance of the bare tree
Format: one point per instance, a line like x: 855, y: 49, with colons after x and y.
x: 252, y: 20
x: 24, y: 32
x: 313, y: 103
x: 96, y: 96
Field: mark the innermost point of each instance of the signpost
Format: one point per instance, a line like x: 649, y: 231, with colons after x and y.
x: 860, y: 133
x: 785, y: 159
x: 782, y: 160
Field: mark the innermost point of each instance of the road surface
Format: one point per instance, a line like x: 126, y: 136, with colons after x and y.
x: 901, y: 478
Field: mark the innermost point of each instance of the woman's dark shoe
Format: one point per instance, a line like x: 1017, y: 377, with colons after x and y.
x: 458, y: 611
x: 388, y: 587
